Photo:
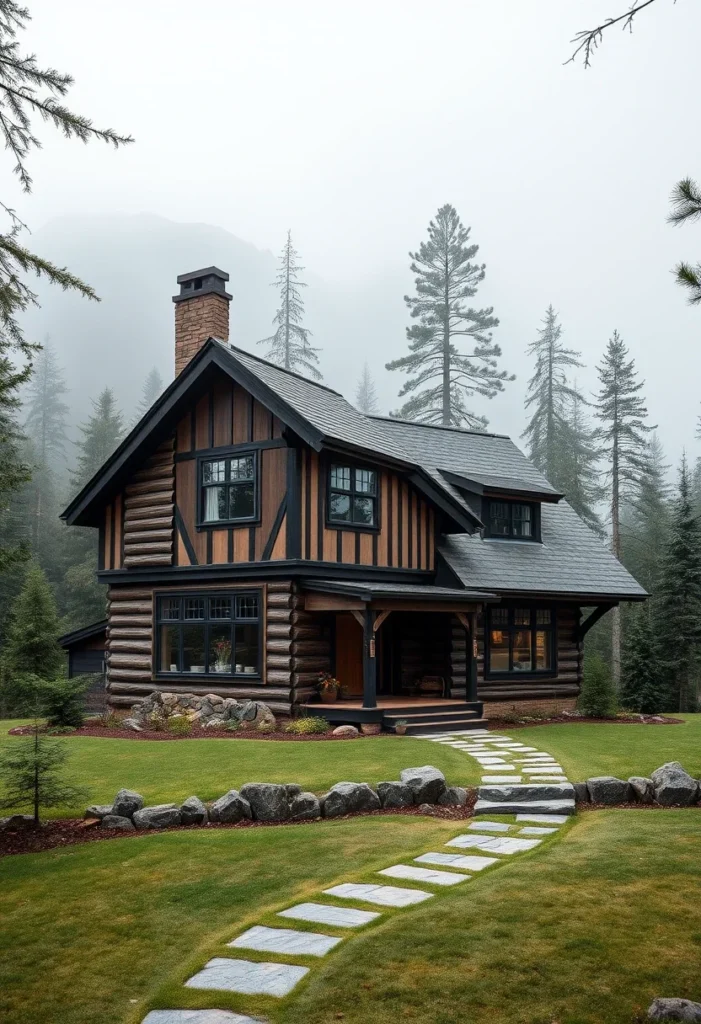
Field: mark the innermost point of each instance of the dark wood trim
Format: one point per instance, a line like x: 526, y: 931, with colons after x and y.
x: 320, y: 492
x: 231, y: 449
x: 249, y: 417
x: 307, y: 504
x: 390, y: 523
x: 101, y: 533
x: 210, y: 426
x: 357, y: 547
x: 400, y: 526
x: 231, y: 414
x: 339, y: 546
x: 184, y: 536
x: 410, y: 523
x: 193, y: 428
x: 230, y: 546
x: 209, y: 547
x: 274, y: 530
x: 294, y: 503
x: 112, y: 533
x: 591, y: 620
x: 369, y: 661
x: 251, y: 543
x: 300, y: 568
x: 375, y: 540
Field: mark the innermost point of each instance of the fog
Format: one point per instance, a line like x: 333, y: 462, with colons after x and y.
x: 351, y: 124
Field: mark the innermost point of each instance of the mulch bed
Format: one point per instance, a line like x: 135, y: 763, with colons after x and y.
x: 64, y: 832
x: 196, y: 734
x: 499, y: 724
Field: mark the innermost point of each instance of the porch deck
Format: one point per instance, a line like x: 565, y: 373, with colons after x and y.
x: 422, y: 714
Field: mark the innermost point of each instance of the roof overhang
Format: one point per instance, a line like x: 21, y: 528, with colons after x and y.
x: 341, y: 595
x: 514, y: 488
x: 85, y: 633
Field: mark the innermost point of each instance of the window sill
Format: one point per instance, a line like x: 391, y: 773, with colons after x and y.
x: 351, y: 527
x: 227, y: 524
x: 546, y: 673
x: 252, y: 677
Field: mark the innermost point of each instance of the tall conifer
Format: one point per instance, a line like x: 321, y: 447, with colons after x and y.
x: 645, y: 519
x: 441, y: 377
x: 643, y: 687
x: 365, y: 394
x: 289, y: 345
x: 151, y: 389
x: 578, y: 456
x: 680, y: 599
x: 622, y: 437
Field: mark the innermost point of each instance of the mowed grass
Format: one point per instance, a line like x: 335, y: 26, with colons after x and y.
x: 587, y: 928
x: 165, y: 771
x: 585, y: 750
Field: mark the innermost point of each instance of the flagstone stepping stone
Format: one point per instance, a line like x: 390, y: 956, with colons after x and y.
x: 247, y: 977
x: 535, y: 830
x: 457, y: 860
x: 560, y: 807
x: 548, y: 778
x: 546, y: 770
x: 495, y: 844
x: 384, y: 895
x: 543, y: 819
x: 500, y: 780
x: 338, y: 917
x: 528, y: 750
x: 408, y: 871
x: 490, y: 826
x: 285, y: 940
x: 197, y: 1017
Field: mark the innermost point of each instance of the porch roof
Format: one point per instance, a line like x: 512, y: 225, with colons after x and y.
x: 371, y: 592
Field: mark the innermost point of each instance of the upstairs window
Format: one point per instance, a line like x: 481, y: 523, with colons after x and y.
x: 512, y: 519
x: 520, y: 641
x: 228, y: 489
x: 352, y: 495
x: 207, y: 634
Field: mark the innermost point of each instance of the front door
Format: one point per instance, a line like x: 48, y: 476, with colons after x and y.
x: 349, y: 654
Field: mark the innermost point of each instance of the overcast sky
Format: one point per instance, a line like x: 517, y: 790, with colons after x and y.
x: 352, y: 123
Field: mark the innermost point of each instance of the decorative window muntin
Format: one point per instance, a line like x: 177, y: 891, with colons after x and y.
x: 520, y: 641
x: 211, y: 635
x: 514, y: 519
x: 228, y: 489
x: 352, y: 495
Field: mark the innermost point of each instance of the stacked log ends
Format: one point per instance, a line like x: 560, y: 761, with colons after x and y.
x: 149, y: 510
x: 129, y: 640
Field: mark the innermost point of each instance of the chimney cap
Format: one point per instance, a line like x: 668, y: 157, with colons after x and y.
x: 208, y: 281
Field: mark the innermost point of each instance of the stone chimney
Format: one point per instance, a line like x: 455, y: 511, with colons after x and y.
x: 201, y: 312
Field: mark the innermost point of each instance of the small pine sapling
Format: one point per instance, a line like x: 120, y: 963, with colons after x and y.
x: 31, y: 773
x: 597, y: 698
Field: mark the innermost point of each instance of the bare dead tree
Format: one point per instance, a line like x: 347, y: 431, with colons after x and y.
x: 589, y: 39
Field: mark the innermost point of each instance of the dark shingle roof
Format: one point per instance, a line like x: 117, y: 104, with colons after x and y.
x: 368, y: 590
x: 571, y: 560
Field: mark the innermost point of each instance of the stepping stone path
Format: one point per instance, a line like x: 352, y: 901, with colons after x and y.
x: 536, y: 791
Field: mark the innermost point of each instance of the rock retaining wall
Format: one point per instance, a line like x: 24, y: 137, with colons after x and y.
x: 668, y: 786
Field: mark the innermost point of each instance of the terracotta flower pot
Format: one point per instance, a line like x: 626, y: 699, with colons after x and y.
x: 329, y: 696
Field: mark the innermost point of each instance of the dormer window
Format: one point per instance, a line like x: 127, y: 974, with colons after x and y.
x: 352, y: 496
x: 516, y: 520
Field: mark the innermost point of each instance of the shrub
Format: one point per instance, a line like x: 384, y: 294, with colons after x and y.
x: 109, y: 720
x: 179, y: 725
x: 597, y: 698
x: 61, y: 700
x: 307, y: 726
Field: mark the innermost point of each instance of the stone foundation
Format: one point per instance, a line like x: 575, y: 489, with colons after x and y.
x: 553, y: 706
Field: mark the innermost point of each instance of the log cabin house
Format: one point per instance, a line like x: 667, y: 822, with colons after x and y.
x: 255, y: 530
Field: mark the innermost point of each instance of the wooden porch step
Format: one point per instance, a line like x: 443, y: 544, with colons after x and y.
x: 443, y: 726
x: 430, y: 716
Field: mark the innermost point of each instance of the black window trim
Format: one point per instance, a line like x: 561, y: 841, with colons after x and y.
x: 234, y: 452
x: 353, y: 464
x: 207, y: 676
x: 542, y: 673
x: 511, y: 501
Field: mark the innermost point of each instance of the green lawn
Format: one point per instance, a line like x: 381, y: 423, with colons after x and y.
x: 585, y: 929
x: 169, y: 771
x: 620, y: 750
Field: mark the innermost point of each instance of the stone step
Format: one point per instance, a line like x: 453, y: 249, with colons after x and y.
x: 249, y: 978
x: 440, y: 725
x: 525, y: 792
x: 285, y: 940
x: 564, y: 807
x: 197, y: 1017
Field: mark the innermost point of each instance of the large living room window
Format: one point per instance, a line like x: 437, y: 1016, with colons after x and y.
x: 228, y: 489
x: 352, y: 496
x: 520, y: 641
x: 209, y: 634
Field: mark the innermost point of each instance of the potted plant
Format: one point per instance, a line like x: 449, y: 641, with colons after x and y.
x: 222, y: 656
x: 400, y: 726
x: 328, y: 687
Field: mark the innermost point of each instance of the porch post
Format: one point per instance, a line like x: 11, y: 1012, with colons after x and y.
x: 472, y: 663
x: 369, y: 661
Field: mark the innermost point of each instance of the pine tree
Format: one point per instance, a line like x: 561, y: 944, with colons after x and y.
x: 46, y: 428
x: 289, y: 345
x: 31, y: 646
x: 686, y: 206
x: 577, y: 474
x: 597, y: 698
x: 100, y: 436
x: 14, y: 466
x: 549, y: 396
x: 645, y: 519
x: 31, y: 772
x: 680, y: 599
x: 643, y: 688
x: 153, y: 386
x: 442, y: 377
x: 622, y: 437
x: 365, y: 394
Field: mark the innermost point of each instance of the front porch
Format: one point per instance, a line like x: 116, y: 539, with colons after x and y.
x: 400, y: 653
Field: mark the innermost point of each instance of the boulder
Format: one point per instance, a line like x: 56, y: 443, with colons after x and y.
x: 370, y: 728
x: 159, y: 816
x: 231, y: 807
x: 674, y: 787
x: 606, y: 789
x: 126, y: 803
x: 133, y: 723
x: 292, y: 790
x: 98, y: 811
x: 427, y: 784
x: 454, y: 796
x: 119, y: 822
x: 268, y: 801
x: 17, y: 821
x: 346, y: 730
x: 395, y: 794
x: 675, y: 1009
x: 643, y: 789
x: 346, y: 797
x: 215, y: 722
x: 581, y: 793
x: 255, y: 714
x: 193, y: 812
x: 304, y: 807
